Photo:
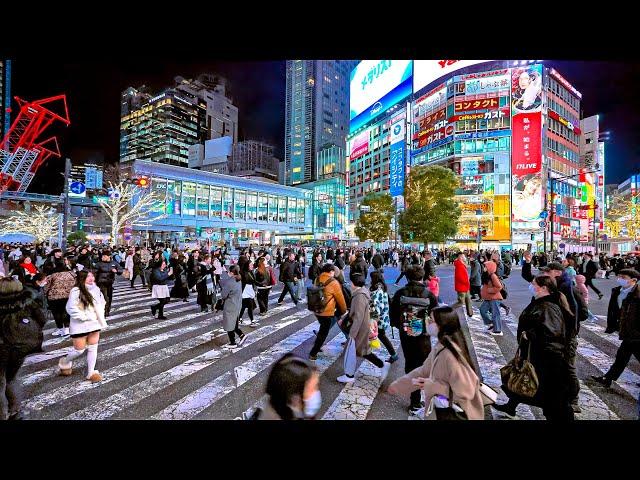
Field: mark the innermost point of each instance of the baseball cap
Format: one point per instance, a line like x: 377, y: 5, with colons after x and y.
x: 553, y: 266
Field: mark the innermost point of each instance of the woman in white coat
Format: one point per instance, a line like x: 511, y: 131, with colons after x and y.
x: 86, y: 308
x: 128, y: 265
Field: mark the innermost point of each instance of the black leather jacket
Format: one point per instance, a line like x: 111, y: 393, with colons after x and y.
x: 544, y: 325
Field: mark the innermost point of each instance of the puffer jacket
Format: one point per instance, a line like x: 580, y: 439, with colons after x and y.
x: 333, y: 295
x: 59, y: 285
x: 461, y: 277
x: 89, y: 319
x: 544, y: 324
x: 21, y: 337
x: 491, y: 290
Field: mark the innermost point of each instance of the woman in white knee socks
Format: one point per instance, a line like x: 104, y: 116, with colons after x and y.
x: 86, y: 308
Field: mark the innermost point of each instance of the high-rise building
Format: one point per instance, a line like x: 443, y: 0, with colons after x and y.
x: 317, y: 113
x: 254, y: 159
x: 161, y: 128
x: 508, y: 129
x: 222, y: 114
x: 5, y: 97
x: 213, y: 156
x: 592, y: 160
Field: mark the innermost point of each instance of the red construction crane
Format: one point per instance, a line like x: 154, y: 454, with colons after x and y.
x: 22, y: 151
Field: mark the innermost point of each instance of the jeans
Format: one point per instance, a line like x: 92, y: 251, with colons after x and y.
x: 291, y: 288
x: 626, y: 349
x: 325, y: 326
x: 491, y: 305
x: 465, y: 298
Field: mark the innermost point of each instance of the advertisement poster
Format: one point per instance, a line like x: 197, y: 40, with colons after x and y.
x: 428, y: 71
x: 486, y: 85
x: 526, y: 89
x: 526, y: 166
x: 396, y: 169
x: 469, y: 166
x: 360, y: 145
x: 377, y: 85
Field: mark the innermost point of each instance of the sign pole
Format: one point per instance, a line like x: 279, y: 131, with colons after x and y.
x: 65, y: 213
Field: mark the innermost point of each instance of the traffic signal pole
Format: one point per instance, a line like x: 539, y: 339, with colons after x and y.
x: 65, y: 213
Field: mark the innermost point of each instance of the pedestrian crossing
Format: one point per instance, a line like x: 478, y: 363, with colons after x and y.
x: 180, y: 369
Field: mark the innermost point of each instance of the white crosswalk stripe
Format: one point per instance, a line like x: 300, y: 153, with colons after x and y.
x: 158, y: 369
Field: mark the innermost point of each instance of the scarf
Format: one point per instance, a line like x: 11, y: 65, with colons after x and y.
x: 29, y: 267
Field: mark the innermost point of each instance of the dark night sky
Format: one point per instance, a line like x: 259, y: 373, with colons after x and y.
x: 93, y: 92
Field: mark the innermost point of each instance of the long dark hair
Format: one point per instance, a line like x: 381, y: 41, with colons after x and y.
x: 85, y: 297
x: 450, y: 332
x: 377, y: 279
x: 286, y: 381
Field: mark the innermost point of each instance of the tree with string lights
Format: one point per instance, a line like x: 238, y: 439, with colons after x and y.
x: 40, y: 222
x: 129, y: 203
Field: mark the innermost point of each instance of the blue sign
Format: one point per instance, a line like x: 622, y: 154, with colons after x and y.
x: 542, y: 224
x: 78, y: 188
x: 482, y: 134
x: 396, y: 169
x: 544, y: 214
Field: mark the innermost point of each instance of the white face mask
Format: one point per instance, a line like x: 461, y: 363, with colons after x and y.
x: 312, y: 404
x: 623, y: 283
x: 432, y: 330
x: 532, y: 290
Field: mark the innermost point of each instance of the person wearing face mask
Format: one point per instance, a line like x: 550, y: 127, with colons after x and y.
x: 542, y: 335
x: 624, y: 314
x: 448, y: 370
x: 292, y: 391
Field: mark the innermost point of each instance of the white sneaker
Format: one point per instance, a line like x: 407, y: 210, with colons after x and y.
x: 385, y: 370
x: 66, y: 331
x: 497, y: 334
x: 231, y: 346
x: 58, y: 332
x: 346, y: 379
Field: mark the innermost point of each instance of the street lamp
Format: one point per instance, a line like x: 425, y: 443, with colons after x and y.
x: 478, y: 235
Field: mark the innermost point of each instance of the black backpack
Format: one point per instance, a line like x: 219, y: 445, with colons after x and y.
x: 22, y: 331
x: 316, y: 298
x: 414, y: 315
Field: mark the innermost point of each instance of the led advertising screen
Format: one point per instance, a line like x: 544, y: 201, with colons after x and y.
x: 377, y: 85
x: 475, y: 86
x: 396, y: 159
x: 526, y: 89
x: 428, y: 71
x: 526, y: 166
x: 360, y: 145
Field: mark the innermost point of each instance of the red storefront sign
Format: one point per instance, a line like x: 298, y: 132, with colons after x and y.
x: 433, y: 137
x: 527, y: 155
x: 465, y: 105
x: 431, y: 123
x: 481, y: 116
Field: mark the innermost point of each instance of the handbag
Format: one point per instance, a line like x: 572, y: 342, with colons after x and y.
x: 519, y: 375
x: 126, y: 275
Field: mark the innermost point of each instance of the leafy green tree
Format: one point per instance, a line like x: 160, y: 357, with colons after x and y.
x: 375, y: 224
x: 79, y: 236
x: 432, y: 213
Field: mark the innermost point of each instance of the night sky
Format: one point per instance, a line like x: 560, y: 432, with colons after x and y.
x: 258, y: 88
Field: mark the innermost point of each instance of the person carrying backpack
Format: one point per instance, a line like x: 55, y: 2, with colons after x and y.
x: 408, y: 314
x: 325, y: 298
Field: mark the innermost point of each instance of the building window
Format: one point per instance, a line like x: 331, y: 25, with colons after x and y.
x: 273, y: 208
x: 240, y: 199
x: 262, y: 207
x: 252, y: 206
x: 282, y: 209
x: 291, y: 210
x: 203, y: 200
x: 227, y: 207
x: 215, y: 202
x: 188, y: 198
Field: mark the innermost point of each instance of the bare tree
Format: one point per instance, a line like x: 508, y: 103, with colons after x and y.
x: 40, y: 222
x: 129, y: 203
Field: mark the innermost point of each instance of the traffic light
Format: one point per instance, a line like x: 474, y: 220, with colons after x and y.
x: 532, y: 237
x: 198, y: 231
x: 142, y: 182
x: 80, y: 224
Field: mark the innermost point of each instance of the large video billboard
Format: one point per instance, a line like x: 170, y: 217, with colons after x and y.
x: 359, y: 145
x: 428, y: 71
x: 377, y: 85
x: 526, y: 154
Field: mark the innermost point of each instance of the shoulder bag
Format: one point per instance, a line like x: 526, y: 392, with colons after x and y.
x: 519, y: 375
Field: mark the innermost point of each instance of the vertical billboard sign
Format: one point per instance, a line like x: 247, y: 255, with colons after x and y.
x: 359, y: 145
x: 526, y: 155
x: 396, y: 162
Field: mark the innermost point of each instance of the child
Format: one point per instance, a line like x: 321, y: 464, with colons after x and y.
x: 434, y: 287
x: 580, y: 284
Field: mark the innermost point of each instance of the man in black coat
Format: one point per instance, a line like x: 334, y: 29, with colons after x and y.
x: 377, y: 261
x: 84, y: 259
x: 429, y: 265
x: 359, y: 265
x: 415, y: 349
x: 290, y: 273
x: 316, y: 266
x: 106, y: 271
x: 624, y: 310
x: 589, y: 269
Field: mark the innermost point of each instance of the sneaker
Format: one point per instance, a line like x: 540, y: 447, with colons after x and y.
x: 254, y: 324
x: 497, y: 334
x: 280, y: 303
x: 602, y: 380
x: 231, y: 346
x: 242, y: 339
x: 162, y: 318
x: 58, y: 332
x: 490, y: 327
x: 600, y: 296
x: 66, y: 332
x: 384, y: 371
x: 313, y: 357
x: 416, y: 409
x: 576, y: 408
x: 346, y: 379
x: 505, y: 409
x: 392, y: 358
x: 95, y: 377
